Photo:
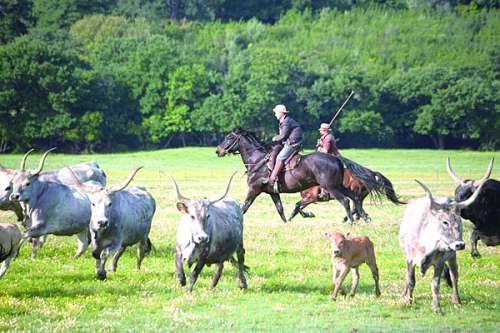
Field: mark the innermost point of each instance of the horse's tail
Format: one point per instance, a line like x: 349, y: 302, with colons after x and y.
x: 376, y: 184
x: 388, y: 189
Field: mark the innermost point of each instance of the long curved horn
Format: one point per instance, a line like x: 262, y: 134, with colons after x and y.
x: 126, y: 182
x: 76, y: 182
x: 227, y: 189
x: 180, y: 197
x: 487, y: 174
x: 22, y: 167
x: 452, y: 174
x: 470, y: 200
x: 434, y: 203
x: 42, y: 161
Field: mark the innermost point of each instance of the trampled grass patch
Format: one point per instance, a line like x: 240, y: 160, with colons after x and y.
x: 290, y: 274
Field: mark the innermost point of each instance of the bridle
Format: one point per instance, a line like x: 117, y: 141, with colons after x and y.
x: 233, y: 144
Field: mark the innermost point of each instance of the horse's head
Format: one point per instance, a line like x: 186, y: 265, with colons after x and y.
x: 230, y: 144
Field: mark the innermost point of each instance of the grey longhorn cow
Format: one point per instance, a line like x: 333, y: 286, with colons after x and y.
x: 209, y: 232
x: 53, y: 208
x: 430, y: 235
x: 88, y: 171
x: 120, y: 218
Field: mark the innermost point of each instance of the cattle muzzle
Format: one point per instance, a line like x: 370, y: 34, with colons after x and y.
x: 15, y: 197
x: 201, y: 239
x: 337, y: 253
x: 102, y: 224
x: 457, y: 246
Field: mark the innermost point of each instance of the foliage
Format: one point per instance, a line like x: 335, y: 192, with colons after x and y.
x: 422, y: 77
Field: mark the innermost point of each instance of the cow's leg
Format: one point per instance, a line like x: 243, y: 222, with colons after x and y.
x: 410, y: 283
x: 338, y: 281
x: 474, y: 237
x: 83, y: 243
x: 36, y: 245
x: 181, y: 278
x: 355, y: 280
x: 116, y: 257
x: 452, y: 262
x: 196, y: 271
x: 240, y: 255
x: 108, y: 251
x: 218, y: 271
x: 279, y: 206
x: 372, y: 263
x: 436, y: 279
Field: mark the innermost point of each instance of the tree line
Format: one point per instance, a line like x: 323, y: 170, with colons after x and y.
x: 99, y: 75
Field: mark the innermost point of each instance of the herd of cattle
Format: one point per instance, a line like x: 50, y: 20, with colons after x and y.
x: 77, y: 201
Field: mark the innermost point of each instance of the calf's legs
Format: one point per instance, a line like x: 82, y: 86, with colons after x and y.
x: 455, y: 298
x: 438, y: 271
x: 338, y: 281
x: 355, y: 281
x: 181, y: 277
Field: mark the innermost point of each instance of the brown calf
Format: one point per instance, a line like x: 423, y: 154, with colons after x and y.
x: 348, y: 253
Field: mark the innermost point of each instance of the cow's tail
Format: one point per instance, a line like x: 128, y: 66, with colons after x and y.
x: 387, y: 187
x: 446, y: 274
x: 234, y: 262
x: 149, y: 246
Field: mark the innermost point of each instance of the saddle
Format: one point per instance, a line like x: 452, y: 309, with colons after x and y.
x: 290, y: 163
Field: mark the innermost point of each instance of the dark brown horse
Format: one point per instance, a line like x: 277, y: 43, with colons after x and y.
x: 314, y: 169
x: 378, y: 186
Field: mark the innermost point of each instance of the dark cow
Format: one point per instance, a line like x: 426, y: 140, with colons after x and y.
x: 484, y: 213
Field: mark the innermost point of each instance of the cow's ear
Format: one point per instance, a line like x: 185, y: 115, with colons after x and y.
x: 181, y: 207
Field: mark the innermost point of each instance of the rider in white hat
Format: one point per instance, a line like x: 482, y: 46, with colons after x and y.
x: 290, y: 134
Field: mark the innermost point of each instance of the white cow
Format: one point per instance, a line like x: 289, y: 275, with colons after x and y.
x: 430, y: 235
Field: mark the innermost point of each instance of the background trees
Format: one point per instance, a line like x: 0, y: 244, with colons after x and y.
x: 122, y: 74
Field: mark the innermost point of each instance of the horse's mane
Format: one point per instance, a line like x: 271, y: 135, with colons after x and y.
x: 253, y: 139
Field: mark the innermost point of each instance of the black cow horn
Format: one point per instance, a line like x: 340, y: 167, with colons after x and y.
x: 470, y: 200
x: 487, y: 174
x: 452, y: 174
x: 227, y: 189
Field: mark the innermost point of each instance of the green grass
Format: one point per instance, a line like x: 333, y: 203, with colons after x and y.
x: 290, y: 274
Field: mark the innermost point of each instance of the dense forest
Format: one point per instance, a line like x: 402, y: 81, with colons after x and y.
x: 99, y: 75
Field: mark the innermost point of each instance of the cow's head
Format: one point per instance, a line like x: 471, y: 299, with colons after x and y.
x: 6, y: 176
x: 196, y: 212
x: 465, y: 188
x: 101, y: 199
x: 338, y: 243
x: 23, y: 180
x: 443, y: 223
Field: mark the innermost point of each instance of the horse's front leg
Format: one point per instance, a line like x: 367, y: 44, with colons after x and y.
x: 279, y: 206
x: 251, y: 195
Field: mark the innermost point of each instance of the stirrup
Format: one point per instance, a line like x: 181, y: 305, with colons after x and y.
x: 275, y: 187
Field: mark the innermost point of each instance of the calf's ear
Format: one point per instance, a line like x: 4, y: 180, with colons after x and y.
x: 181, y: 207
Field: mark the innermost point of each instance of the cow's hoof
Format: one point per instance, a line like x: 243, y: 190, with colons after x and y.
x: 182, y: 282
x: 437, y: 311
x: 334, y: 298
x: 475, y: 254
x: 101, y: 276
x: 243, y: 285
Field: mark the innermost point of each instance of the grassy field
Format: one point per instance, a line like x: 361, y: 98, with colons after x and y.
x: 290, y: 273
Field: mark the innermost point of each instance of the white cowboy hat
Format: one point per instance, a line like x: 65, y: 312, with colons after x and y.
x: 324, y: 126
x: 280, y: 108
